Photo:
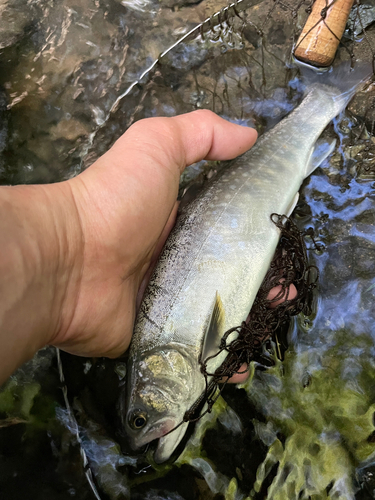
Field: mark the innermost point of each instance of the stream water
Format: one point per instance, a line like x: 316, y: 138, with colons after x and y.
x: 302, y: 429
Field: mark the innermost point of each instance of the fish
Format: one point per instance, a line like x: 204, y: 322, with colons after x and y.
x: 214, y: 262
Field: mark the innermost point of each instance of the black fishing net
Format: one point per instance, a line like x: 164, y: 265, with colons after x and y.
x: 259, y: 334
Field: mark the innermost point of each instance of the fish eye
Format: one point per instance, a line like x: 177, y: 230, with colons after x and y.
x: 138, y: 420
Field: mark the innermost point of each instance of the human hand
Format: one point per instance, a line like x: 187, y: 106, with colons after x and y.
x: 77, y: 254
x: 126, y: 205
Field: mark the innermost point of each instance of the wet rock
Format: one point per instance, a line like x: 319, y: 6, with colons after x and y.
x: 174, y: 4
x: 208, y: 8
x: 15, y: 15
x: 179, y: 484
x: 366, y: 480
x: 277, y: 34
x: 69, y: 130
x: 4, y: 117
x: 360, y: 18
x: 3, y: 129
x: 363, y: 260
x: 366, y: 220
x: 187, y: 57
x: 159, y: 495
x: 363, y: 105
x: 252, y: 35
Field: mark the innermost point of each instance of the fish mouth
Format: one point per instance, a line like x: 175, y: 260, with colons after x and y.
x: 165, y: 434
x: 155, y: 432
x: 168, y: 443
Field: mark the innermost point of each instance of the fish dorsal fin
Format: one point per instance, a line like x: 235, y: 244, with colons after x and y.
x: 214, y: 330
x: 321, y: 151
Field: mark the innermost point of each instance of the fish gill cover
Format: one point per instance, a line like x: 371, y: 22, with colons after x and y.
x: 302, y: 428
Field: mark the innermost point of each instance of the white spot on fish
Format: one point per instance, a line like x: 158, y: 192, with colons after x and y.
x: 234, y: 223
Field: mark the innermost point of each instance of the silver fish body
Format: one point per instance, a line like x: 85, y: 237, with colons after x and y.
x: 222, y: 245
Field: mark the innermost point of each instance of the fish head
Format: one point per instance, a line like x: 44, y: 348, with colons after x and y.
x: 162, y: 386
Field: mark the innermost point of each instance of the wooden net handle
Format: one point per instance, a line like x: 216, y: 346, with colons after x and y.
x: 322, y: 32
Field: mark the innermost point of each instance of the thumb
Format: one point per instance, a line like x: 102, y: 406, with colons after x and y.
x: 185, y: 139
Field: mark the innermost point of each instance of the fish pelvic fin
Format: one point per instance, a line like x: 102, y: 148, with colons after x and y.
x: 211, y: 343
x: 320, y: 152
x: 292, y: 206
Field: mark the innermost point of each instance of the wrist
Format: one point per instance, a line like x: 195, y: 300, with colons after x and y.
x: 61, y: 256
x: 41, y: 250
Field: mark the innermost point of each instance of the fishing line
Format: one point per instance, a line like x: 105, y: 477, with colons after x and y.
x: 73, y: 426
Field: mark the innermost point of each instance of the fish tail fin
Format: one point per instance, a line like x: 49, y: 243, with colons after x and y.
x: 341, y: 82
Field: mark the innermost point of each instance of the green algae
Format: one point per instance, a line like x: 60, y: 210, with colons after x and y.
x: 17, y: 401
x: 195, y: 456
x: 326, y: 425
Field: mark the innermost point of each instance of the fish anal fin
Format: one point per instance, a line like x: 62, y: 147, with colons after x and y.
x: 321, y: 151
x: 214, y: 330
x: 292, y: 206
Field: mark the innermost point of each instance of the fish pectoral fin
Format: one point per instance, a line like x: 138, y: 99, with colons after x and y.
x: 211, y: 342
x: 320, y: 152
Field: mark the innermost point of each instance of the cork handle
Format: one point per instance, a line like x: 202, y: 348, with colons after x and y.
x: 317, y: 43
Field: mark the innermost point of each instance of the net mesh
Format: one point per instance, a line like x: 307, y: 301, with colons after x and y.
x: 268, y: 316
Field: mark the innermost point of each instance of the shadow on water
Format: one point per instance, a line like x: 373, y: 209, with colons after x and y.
x: 304, y: 428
